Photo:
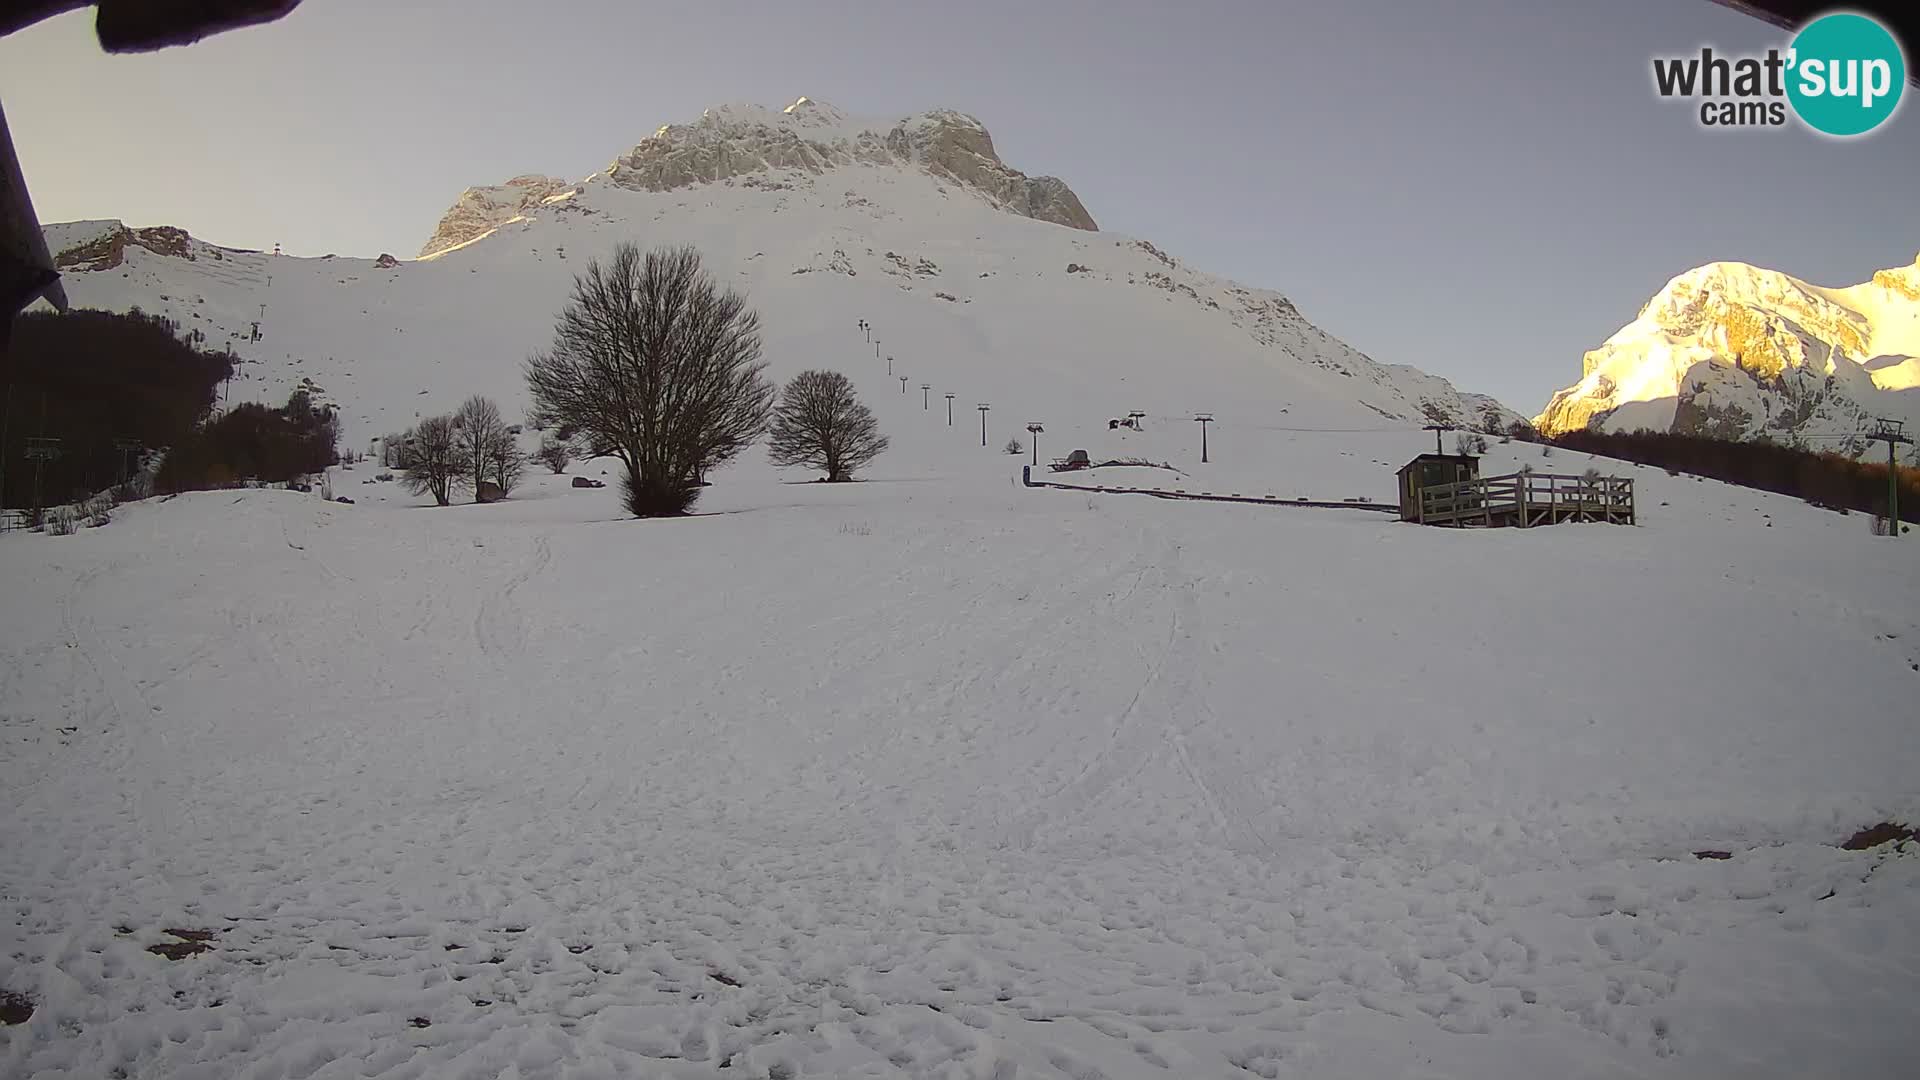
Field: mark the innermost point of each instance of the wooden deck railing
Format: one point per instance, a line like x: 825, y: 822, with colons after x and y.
x: 1524, y: 500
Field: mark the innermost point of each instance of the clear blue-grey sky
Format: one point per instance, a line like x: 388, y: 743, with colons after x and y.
x: 1482, y: 188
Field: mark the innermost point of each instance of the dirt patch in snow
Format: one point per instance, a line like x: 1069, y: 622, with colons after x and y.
x: 1873, y: 836
x: 15, y: 1008
x: 191, y: 943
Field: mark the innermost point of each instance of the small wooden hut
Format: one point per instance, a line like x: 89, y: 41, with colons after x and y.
x: 1432, y: 470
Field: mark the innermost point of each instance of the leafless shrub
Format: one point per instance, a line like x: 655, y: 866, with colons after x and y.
x: 554, y: 453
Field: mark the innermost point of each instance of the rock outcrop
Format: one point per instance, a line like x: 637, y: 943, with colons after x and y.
x: 108, y: 247
x: 732, y: 141
x: 480, y: 210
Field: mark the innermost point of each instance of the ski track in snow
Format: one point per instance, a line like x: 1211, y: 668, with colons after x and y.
x: 989, y: 786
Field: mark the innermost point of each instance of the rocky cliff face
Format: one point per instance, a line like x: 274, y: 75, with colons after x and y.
x: 812, y: 138
x: 481, y: 209
x: 105, y: 246
x: 957, y: 146
x: 1735, y: 351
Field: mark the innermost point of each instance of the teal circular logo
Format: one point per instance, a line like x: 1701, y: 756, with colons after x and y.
x: 1846, y: 74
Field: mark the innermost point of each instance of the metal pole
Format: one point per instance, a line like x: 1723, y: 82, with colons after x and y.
x: 1891, y: 431
x: 1203, y: 444
x: 903, y: 384
x: 924, y: 387
x: 1893, y: 492
x: 6, y: 417
x: 949, y: 410
x: 983, y: 422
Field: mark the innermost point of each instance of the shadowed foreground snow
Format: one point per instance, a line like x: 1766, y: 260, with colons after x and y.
x: 953, y: 780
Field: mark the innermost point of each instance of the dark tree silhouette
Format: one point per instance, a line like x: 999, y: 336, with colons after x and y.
x: 252, y: 441
x: 554, y: 453
x: 654, y: 364
x: 483, y: 443
x: 91, y: 379
x: 433, y: 461
x: 505, y: 464
x: 821, y: 423
x: 1824, y: 479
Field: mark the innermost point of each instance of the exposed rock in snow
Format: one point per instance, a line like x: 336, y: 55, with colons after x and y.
x: 105, y: 248
x: 811, y: 137
x: 480, y: 209
x: 1734, y: 351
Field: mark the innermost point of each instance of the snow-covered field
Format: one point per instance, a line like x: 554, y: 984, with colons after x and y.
x: 938, y: 776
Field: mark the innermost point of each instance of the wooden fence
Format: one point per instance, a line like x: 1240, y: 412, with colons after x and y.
x: 1524, y: 500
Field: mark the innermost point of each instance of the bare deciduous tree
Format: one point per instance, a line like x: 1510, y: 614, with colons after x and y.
x: 554, y: 453
x: 506, y: 465
x: 393, y: 450
x: 653, y: 363
x: 432, y: 462
x: 819, y: 422
x: 478, y: 432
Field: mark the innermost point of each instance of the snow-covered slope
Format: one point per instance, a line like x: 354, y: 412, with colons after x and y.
x: 965, y: 290
x: 934, y: 777
x: 1738, y: 352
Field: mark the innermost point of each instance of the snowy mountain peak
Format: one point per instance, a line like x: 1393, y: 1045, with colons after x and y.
x: 805, y: 110
x: 812, y: 138
x: 755, y: 144
x: 1904, y: 280
x: 1737, y: 351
